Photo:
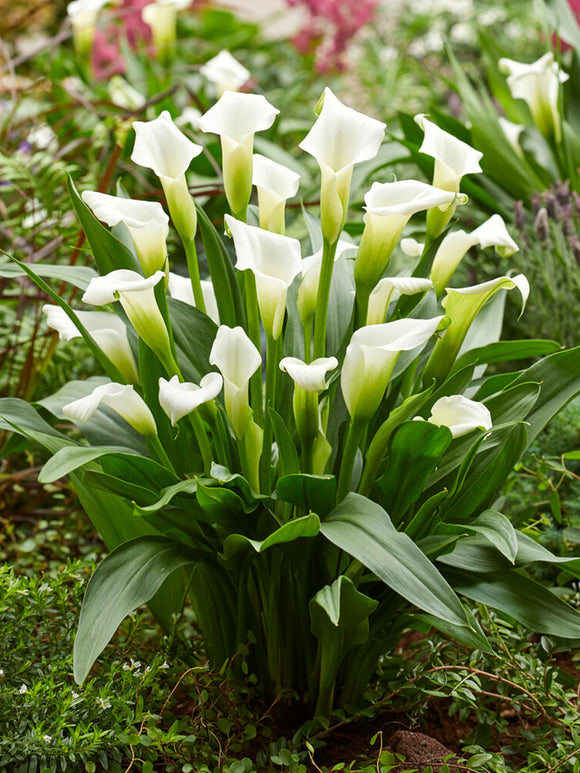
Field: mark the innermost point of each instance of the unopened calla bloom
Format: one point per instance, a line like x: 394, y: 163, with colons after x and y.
x: 122, y: 94
x: 137, y: 297
x: 178, y: 399
x: 462, y: 305
x: 274, y: 260
x: 340, y: 138
x: 308, y: 290
x: 492, y: 233
x: 236, y: 118
x: 460, y: 414
x: 275, y: 183
x: 161, y: 16
x: 389, y: 289
x: 389, y: 206
x: 225, y: 72
x: 107, y: 330
x: 146, y: 221
x: 120, y: 398
x: 309, y: 379
x: 453, y: 159
x: 180, y: 288
x: 539, y: 85
x: 370, y: 358
x: 83, y: 15
x: 162, y: 147
x: 237, y: 359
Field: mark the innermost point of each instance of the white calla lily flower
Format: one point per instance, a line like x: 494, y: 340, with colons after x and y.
x: 539, y: 85
x: 120, y: 398
x: 456, y: 244
x: 308, y: 290
x: 371, y: 356
x: 162, y: 147
x: 237, y: 359
x: 137, y: 297
x: 274, y: 260
x: 388, y: 290
x: 512, y: 132
x: 161, y: 16
x: 180, y: 288
x: 275, y: 183
x: 178, y: 399
x: 460, y: 414
x: 411, y: 248
x: 340, y: 138
x: 123, y: 95
x: 146, y: 221
x: 83, y: 15
x: 309, y: 376
x: 225, y: 72
x: 236, y: 118
x: 107, y: 330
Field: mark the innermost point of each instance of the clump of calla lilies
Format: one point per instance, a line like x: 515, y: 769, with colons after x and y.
x: 303, y: 445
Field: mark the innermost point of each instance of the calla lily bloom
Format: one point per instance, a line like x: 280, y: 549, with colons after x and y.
x: 180, y: 288
x: 83, y: 15
x: 389, y: 206
x: 225, y: 72
x: 309, y: 376
x: 161, y: 16
x: 236, y: 118
x: 120, y: 398
x: 308, y: 290
x: 462, y: 305
x: 107, y: 330
x: 275, y: 183
x: 137, y: 297
x: 178, y: 399
x: 122, y: 94
x: 411, y: 248
x: 512, y: 132
x: 274, y: 260
x: 389, y: 289
x: 146, y: 221
x: 455, y: 245
x: 460, y: 414
x: 453, y: 159
x: 370, y: 358
x: 539, y: 85
x: 162, y: 147
x: 340, y: 138
x: 237, y: 359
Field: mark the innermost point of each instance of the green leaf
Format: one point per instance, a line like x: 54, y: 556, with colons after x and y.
x: 68, y: 459
x: 19, y: 416
x: 127, y: 578
x: 495, y: 527
x: 364, y: 530
x: 109, y: 253
x: 312, y: 493
x: 307, y: 526
x: 194, y: 333
x: 78, y: 276
x: 188, y: 486
x: 505, y: 351
x: 287, y: 450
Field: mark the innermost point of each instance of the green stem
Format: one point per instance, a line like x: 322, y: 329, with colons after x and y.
x: 193, y: 268
x: 308, y: 341
x: 253, y: 314
x: 351, y: 445
x: 361, y: 305
x: 202, y: 440
x: 271, y: 375
x: 328, y: 252
x: 157, y: 449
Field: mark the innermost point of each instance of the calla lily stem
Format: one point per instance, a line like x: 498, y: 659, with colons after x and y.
x: 351, y: 446
x: 253, y: 314
x: 202, y: 440
x: 193, y: 268
x: 271, y: 375
x: 328, y: 253
x: 156, y: 447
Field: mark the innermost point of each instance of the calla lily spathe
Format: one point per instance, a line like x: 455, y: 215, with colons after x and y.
x: 275, y: 183
x: 120, y: 398
x: 460, y: 414
x: 137, y: 297
x: 107, y: 330
x: 453, y: 160
x: 162, y: 147
x: 83, y: 15
x: 178, y: 399
x: 236, y: 118
x: 161, y: 16
x: 455, y: 245
x: 225, y: 72
x: 388, y: 290
x: 180, y: 288
x: 237, y: 359
x: 146, y: 221
x: 274, y: 260
x: 340, y: 138
x: 539, y: 85
x: 309, y: 376
x: 370, y: 358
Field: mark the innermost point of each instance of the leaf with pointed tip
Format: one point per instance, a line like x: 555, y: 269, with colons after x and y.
x: 306, y: 526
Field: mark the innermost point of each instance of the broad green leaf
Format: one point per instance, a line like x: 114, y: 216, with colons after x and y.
x: 364, y: 530
x: 225, y: 477
x: 194, y: 333
x: 114, y: 484
x: 312, y: 493
x: 307, y: 526
x: 340, y: 303
x: 505, y: 351
x: 496, y: 528
x: 216, y: 499
x: 68, y: 459
x: 530, y: 552
x: 109, y: 253
x: 19, y: 416
x: 288, y: 454
x: 127, y: 578
x: 475, y: 639
x: 78, y: 276
x: 188, y: 486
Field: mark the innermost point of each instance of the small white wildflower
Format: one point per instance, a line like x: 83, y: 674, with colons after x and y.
x: 165, y: 664
x: 23, y: 689
x: 75, y: 695
x: 47, y: 738
x: 105, y: 703
x: 126, y: 666
x: 135, y: 663
x: 1, y: 672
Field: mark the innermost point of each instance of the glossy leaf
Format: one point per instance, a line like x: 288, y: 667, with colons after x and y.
x: 312, y: 493
x: 306, y: 526
x: 68, y: 459
x: 78, y: 276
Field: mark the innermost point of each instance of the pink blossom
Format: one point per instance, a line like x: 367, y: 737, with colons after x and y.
x: 124, y: 22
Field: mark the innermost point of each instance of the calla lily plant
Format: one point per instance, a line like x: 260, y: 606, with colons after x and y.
x: 302, y: 448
